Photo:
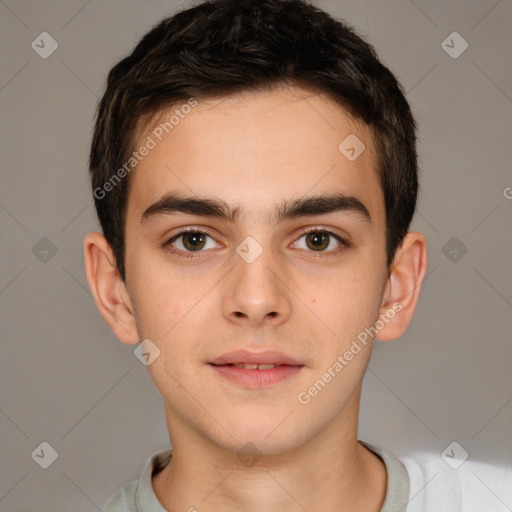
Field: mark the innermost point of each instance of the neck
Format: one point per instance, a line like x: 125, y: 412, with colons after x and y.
x: 332, y: 471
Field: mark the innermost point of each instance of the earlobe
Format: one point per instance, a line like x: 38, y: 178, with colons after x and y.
x: 403, y: 286
x: 108, y: 288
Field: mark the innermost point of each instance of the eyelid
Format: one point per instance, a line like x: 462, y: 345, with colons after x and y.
x: 332, y: 232
x: 190, y: 229
x: 342, y: 239
x: 325, y: 229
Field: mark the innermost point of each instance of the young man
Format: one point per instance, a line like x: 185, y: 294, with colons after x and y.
x: 254, y: 172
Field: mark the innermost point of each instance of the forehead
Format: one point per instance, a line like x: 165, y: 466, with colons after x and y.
x: 254, y: 150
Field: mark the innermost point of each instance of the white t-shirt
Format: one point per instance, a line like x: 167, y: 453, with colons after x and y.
x: 423, y: 482
x: 472, y: 487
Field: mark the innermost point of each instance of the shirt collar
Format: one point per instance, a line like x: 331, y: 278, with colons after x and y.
x: 397, y: 489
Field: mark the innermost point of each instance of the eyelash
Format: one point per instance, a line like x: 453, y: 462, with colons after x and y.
x: 195, y: 254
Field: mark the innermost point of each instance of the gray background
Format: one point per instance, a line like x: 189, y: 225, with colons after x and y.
x: 66, y: 380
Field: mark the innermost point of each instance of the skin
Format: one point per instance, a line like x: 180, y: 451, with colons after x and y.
x: 254, y: 151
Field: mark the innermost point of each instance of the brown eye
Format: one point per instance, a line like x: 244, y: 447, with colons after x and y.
x: 194, y: 241
x: 317, y: 241
x: 190, y: 241
x: 321, y: 241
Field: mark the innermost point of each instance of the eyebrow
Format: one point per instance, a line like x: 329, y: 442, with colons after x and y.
x: 172, y: 203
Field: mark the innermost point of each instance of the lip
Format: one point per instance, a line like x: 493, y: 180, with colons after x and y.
x: 256, y: 378
x: 245, y: 356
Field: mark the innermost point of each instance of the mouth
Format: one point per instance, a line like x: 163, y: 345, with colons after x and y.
x: 254, y: 366
x: 255, y: 360
x: 258, y: 371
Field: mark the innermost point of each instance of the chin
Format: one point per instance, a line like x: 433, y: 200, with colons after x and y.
x: 255, y: 447
x: 271, y: 437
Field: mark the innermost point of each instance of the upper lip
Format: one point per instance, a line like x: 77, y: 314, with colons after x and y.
x: 244, y: 356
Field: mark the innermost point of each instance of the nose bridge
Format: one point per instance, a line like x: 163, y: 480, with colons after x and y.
x: 256, y: 293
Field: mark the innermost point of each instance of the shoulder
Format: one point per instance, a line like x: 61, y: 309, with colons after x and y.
x: 123, y: 500
x: 139, y: 496
x: 439, y: 484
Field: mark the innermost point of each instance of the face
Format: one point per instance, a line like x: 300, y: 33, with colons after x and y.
x: 267, y: 270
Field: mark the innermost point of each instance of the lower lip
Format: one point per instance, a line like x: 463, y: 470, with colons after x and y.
x: 257, y: 378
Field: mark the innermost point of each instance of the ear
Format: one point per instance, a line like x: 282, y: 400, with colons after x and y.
x: 108, y: 289
x: 403, y: 287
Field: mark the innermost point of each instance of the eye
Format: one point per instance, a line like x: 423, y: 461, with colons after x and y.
x: 193, y: 240
x: 190, y: 240
x: 321, y: 240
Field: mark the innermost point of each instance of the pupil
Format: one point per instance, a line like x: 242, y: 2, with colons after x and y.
x: 195, y: 239
x: 318, y: 240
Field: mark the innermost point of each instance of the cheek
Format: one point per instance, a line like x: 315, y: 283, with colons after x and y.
x: 172, y: 309
x: 162, y: 297
x: 349, y: 303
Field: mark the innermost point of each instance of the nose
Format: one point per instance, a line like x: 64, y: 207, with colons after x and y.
x: 256, y: 293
